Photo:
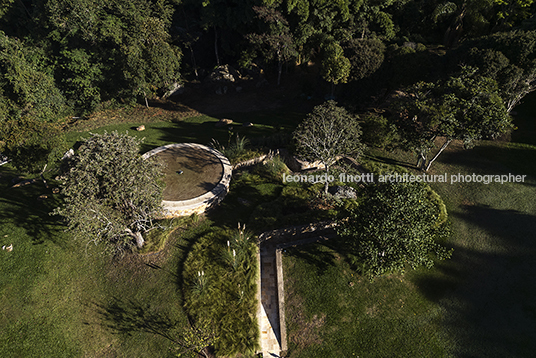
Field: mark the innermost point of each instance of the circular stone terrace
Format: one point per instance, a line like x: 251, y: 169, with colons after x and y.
x: 197, y: 177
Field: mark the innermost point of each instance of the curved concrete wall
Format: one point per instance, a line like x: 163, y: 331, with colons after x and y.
x: 203, y: 202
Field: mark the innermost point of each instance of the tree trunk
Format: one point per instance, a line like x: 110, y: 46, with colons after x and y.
x: 145, y: 97
x: 207, y: 352
x: 445, y: 145
x: 139, y: 239
x: 454, y: 31
x: 326, y: 184
x: 421, y: 161
x: 190, y: 44
x: 194, y: 63
x: 216, y: 46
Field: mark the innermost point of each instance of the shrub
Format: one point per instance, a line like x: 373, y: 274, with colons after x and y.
x: 378, y: 131
x: 396, y: 225
x: 220, y: 277
x: 273, y: 168
x: 234, y: 151
x: 30, y: 144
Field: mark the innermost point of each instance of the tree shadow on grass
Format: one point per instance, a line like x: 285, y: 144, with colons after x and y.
x: 493, y: 160
x: 24, y: 207
x: 318, y: 255
x: 488, y: 293
x: 391, y: 161
x: 236, y: 208
x: 129, y: 317
x: 185, y: 243
x: 205, y: 130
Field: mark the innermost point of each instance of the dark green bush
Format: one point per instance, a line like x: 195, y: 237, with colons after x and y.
x: 220, y: 280
x: 273, y: 168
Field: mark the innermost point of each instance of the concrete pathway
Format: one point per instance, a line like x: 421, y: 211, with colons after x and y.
x: 271, y: 314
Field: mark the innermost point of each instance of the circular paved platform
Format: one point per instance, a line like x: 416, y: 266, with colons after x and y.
x: 197, y: 177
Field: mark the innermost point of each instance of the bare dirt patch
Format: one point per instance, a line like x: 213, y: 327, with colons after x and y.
x: 189, y: 173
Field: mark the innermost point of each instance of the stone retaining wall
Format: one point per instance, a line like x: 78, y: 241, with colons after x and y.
x: 249, y: 163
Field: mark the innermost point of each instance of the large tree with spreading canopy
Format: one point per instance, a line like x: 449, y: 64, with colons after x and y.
x: 112, y: 194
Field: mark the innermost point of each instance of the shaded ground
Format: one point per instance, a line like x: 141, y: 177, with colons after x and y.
x: 251, y: 96
x: 478, y: 304
x: 189, y: 173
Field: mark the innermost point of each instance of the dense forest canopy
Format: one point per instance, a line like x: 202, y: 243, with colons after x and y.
x: 61, y: 58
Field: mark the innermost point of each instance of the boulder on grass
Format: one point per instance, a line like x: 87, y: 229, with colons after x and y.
x: 224, y: 122
x: 298, y: 165
x: 342, y: 192
x: 140, y: 128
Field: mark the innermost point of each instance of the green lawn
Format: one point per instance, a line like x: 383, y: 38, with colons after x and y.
x: 61, y: 298
x: 478, y: 304
x: 201, y: 129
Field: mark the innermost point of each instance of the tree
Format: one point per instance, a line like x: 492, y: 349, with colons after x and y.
x: 366, y: 56
x: 335, y: 67
x: 378, y: 131
x: 31, y: 144
x: 25, y: 88
x: 328, y: 133
x: 123, y: 47
x: 509, y: 58
x: 466, y: 107
x: 396, y: 224
x: 112, y: 194
x: 276, y: 42
x: 30, y: 103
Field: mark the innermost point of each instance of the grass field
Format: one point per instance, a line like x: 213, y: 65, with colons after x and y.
x: 61, y: 298
x: 478, y: 304
x: 199, y: 129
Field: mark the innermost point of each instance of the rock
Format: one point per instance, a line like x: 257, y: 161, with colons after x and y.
x: 342, y: 192
x: 298, y: 165
x: 8, y: 248
x: 24, y: 182
x: 175, y: 89
x: 253, y: 71
x: 3, y: 159
x: 223, y: 122
x: 68, y: 154
x: 55, y: 190
x: 247, y: 124
x: 42, y: 197
x: 409, y: 44
x: 223, y: 73
x: 140, y: 128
